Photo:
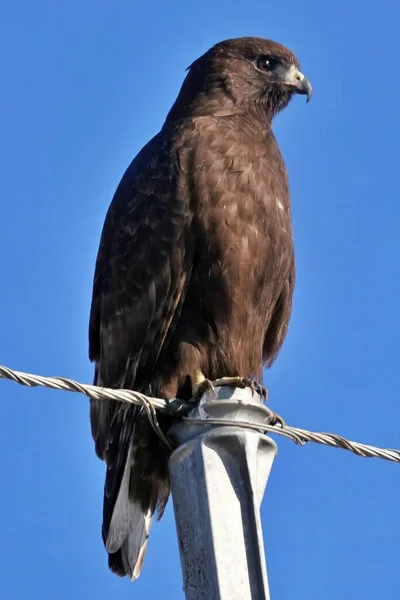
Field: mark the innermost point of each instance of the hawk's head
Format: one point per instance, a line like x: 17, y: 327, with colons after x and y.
x: 239, y: 73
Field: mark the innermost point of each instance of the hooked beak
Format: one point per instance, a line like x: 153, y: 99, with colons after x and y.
x: 297, y: 82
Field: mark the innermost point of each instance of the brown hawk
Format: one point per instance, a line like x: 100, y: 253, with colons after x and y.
x: 195, y: 271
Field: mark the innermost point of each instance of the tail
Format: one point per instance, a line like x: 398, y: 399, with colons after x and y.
x: 137, y: 484
x: 137, y: 479
x: 127, y: 534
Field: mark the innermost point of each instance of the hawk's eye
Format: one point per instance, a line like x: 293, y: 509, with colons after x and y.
x: 266, y: 63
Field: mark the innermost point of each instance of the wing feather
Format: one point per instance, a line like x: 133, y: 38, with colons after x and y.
x: 142, y: 273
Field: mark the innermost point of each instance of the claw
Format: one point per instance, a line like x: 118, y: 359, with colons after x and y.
x: 278, y: 420
x: 250, y: 383
x: 263, y: 392
x: 205, y: 386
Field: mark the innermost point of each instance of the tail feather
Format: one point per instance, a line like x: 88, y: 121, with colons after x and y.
x: 137, y: 480
x: 128, y: 531
x: 134, y: 547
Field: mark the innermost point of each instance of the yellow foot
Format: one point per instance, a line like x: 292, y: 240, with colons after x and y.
x: 242, y: 382
x: 200, y: 385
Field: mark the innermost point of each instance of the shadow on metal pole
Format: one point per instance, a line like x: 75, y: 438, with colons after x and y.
x: 218, y: 476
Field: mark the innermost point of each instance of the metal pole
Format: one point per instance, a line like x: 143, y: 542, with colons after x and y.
x: 218, y: 476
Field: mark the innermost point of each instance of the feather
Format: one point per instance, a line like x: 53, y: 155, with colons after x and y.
x: 129, y: 527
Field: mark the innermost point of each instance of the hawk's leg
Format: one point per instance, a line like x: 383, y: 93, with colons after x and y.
x: 242, y: 382
x: 200, y: 385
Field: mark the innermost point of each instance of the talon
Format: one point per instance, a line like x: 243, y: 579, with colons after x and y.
x: 262, y: 391
x: 202, y: 388
x: 278, y: 420
x: 200, y: 385
x: 250, y: 383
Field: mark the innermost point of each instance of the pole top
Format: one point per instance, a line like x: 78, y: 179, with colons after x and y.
x: 224, y: 403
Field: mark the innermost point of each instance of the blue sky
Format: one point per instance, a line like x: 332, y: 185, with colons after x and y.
x: 84, y: 86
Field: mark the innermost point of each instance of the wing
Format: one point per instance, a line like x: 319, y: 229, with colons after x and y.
x: 278, y: 325
x: 285, y: 274
x: 142, y: 271
x: 140, y: 277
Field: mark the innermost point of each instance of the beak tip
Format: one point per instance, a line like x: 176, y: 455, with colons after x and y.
x: 309, y: 92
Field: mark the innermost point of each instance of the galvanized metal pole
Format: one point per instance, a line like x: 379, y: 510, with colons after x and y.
x: 218, y: 476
